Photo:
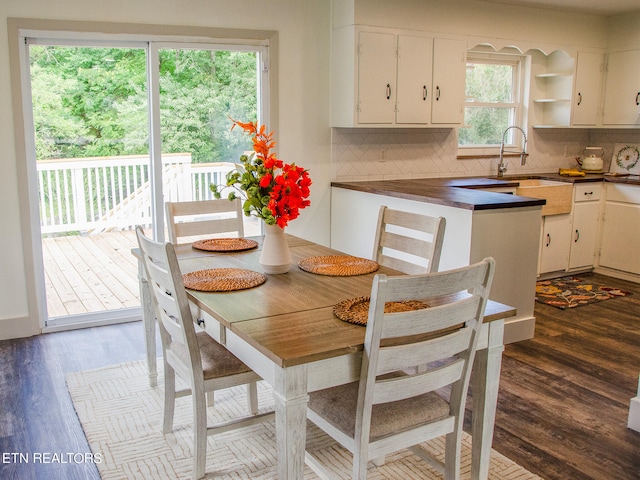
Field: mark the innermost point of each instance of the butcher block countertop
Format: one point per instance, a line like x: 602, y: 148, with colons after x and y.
x: 466, y: 192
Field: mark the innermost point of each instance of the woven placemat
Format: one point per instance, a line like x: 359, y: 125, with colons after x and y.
x: 356, y: 310
x: 338, y: 265
x: 222, y: 279
x: 225, y: 244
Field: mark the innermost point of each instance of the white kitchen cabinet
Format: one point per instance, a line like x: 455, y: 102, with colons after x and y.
x: 587, y: 89
x: 376, y: 77
x: 586, y: 206
x: 414, y: 93
x: 449, y: 78
x: 386, y: 78
x: 620, y: 243
x: 622, y: 89
x: 555, y: 243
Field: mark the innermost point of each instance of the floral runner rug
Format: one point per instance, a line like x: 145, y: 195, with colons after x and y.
x: 573, y: 291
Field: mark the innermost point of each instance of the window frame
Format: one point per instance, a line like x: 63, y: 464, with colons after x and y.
x: 517, y: 103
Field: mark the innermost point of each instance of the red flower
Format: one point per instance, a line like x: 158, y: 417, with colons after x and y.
x: 283, y: 188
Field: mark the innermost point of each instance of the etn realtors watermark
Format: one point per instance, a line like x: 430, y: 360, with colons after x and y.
x: 50, y: 457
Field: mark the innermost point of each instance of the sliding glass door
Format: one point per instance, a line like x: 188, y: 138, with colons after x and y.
x: 117, y: 129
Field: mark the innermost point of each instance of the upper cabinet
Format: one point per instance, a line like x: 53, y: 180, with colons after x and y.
x: 587, y: 89
x: 622, y: 90
x: 387, y: 78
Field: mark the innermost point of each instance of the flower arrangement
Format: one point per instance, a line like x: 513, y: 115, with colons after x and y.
x: 275, y: 191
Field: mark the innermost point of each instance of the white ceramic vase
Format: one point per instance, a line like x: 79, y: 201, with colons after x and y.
x: 275, y: 256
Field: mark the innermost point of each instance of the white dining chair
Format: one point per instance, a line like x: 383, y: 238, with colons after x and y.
x: 204, y: 217
x: 394, y: 406
x: 408, y: 242
x: 201, y: 362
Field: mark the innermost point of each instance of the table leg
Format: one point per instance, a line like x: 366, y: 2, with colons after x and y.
x: 290, y: 396
x: 149, y: 325
x: 486, y: 380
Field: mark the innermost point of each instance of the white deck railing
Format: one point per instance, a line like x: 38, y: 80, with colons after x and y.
x: 113, y: 193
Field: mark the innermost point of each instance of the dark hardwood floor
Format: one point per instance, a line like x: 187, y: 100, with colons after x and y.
x: 562, y: 409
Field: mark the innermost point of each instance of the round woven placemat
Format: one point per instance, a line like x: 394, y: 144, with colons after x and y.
x: 225, y: 244
x: 338, y: 265
x: 222, y: 279
x: 356, y: 310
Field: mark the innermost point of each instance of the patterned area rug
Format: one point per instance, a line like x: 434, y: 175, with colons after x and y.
x: 571, y: 292
x: 122, y: 419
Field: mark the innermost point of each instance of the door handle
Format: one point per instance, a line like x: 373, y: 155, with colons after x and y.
x: 424, y: 92
x: 438, y: 93
x: 577, y: 236
x: 579, y: 98
x: 548, y: 239
x: 388, y: 91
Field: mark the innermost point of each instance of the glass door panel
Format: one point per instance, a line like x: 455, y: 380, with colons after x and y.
x: 200, y: 90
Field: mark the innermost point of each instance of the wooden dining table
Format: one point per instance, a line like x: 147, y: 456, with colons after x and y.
x: 286, y: 331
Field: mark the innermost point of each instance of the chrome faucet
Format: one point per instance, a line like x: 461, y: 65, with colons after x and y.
x: 502, y: 167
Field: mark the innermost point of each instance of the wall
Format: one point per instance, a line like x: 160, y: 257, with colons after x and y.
x: 356, y: 153
x: 300, y: 113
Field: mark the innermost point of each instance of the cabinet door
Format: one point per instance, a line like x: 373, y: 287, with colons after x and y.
x: 449, y: 67
x: 583, y: 242
x: 554, y: 254
x: 376, y: 77
x: 622, y: 91
x: 588, y: 87
x: 620, y: 245
x: 413, y: 104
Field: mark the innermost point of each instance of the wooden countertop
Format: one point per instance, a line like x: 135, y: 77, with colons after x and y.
x: 466, y: 192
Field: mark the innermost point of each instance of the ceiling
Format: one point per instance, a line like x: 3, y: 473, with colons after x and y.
x: 595, y: 7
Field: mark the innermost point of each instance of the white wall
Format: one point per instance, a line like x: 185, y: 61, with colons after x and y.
x: 300, y: 112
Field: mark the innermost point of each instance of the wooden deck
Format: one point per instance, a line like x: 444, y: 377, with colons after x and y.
x: 92, y: 273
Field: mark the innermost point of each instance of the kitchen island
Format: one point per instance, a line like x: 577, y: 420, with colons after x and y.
x: 479, y: 224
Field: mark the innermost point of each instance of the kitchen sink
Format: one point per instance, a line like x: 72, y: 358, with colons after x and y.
x: 557, y: 194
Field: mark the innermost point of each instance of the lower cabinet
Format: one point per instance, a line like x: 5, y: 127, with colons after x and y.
x: 620, y: 243
x: 584, y: 231
x: 555, y: 243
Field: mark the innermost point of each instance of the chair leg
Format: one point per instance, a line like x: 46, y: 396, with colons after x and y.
x: 210, y: 399
x: 252, y: 396
x: 453, y: 447
x: 359, y: 466
x: 199, y: 435
x: 378, y: 462
x: 169, y: 398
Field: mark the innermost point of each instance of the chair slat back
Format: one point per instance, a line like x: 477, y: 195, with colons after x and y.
x: 444, y: 336
x: 408, y: 242
x: 168, y: 295
x: 205, y: 217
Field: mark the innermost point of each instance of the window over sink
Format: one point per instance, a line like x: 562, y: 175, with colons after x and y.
x: 494, y: 99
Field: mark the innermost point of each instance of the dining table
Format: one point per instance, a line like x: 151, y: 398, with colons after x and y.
x: 285, y: 329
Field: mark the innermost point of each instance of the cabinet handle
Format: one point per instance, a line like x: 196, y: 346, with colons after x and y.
x: 588, y: 193
x: 200, y: 321
x: 388, y: 91
x: 424, y: 92
x: 438, y: 93
x: 548, y: 239
x: 638, y: 99
x: 579, y: 98
x: 577, y: 237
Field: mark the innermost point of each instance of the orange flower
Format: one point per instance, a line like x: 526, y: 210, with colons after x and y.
x: 274, y: 191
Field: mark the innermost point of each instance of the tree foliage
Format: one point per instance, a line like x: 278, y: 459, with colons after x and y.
x: 91, y: 101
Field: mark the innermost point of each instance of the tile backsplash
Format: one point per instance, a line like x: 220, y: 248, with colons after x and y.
x: 384, y: 154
